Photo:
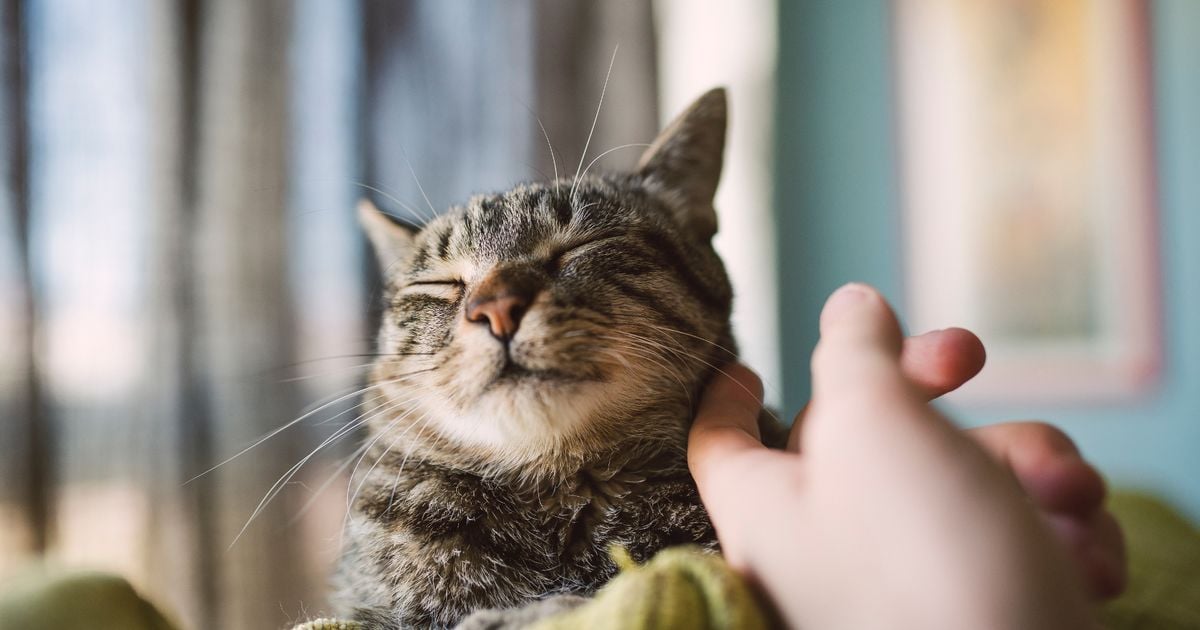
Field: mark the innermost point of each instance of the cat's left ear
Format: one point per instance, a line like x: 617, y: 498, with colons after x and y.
x: 390, y: 239
x: 683, y: 165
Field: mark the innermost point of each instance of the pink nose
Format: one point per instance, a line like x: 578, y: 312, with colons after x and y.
x: 503, y: 298
x: 502, y: 313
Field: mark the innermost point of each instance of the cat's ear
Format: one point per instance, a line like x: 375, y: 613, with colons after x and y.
x: 683, y: 165
x: 390, y: 239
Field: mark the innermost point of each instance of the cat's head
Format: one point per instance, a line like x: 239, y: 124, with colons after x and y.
x: 556, y: 314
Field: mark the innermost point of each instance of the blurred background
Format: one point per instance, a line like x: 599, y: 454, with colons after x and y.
x: 181, y: 273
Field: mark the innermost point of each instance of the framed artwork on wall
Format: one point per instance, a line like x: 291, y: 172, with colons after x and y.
x: 1027, y: 175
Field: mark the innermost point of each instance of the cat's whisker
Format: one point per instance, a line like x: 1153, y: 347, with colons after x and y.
x: 733, y: 356
x: 325, y: 485
x: 382, y: 434
x: 666, y: 367
x: 327, y: 373
x: 595, y: 119
x: 662, y: 362
x: 283, y: 480
x: 359, y: 366
x: 395, y: 200
x: 359, y: 355
x: 306, y: 415
x: 553, y: 159
x: 684, y: 353
x: 377, y: 397
x: 352, y: 425
x: 432, y: 211
x: 731, y: 353
x: 352, y: 496
x: 356, y: 391
x: 356, y: 454
x: 599, y: 157
x: 343, y: 431
x: 425, y: 421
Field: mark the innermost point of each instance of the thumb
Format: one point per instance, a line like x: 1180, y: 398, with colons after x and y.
x: 726, y: 421
x: 860, y: 345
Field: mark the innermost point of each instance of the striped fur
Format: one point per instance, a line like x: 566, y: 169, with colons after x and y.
x: 500, y: 473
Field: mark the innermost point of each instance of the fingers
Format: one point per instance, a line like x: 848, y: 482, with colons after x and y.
x: 727, y: 420
x: 1098, y: 548
x: 1047, y: 465
x: 941, y: 361
x: 859, y: 348
x: 1068, y: 492
x: 936, y: 362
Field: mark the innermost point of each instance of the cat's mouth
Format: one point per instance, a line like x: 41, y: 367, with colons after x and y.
x: 514, y: 373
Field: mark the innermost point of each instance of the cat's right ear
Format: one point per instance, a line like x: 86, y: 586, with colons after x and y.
x: 390, y: 239
x: 684, y: 162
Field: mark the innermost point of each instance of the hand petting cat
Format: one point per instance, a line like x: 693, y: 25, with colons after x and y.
x: 882, y: 511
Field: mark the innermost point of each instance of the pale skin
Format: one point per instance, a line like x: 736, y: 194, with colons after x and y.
x: 881, y: 513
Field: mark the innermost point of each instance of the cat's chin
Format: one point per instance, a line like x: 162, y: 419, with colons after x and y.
x: 524, y: 413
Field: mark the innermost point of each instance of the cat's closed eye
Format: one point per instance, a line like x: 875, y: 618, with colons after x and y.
x: 449, y: 289
x: 453, y: 282
x: 564, y: 255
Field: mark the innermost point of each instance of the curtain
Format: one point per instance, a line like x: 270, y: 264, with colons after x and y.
x: 181, y: 273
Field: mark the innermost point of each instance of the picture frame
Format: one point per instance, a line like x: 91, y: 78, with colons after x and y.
x: 1028, y: 193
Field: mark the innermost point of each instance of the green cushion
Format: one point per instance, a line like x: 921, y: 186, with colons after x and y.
x: 1164, y: 567
x: 46, y: 600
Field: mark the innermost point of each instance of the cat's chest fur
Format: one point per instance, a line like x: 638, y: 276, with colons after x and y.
x: 436, y: 543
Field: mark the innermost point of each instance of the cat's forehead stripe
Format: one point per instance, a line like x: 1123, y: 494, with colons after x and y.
x: 443, y: 246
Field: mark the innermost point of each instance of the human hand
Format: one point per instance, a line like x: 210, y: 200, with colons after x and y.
x: 890, y: 515
x: 1066, y: 490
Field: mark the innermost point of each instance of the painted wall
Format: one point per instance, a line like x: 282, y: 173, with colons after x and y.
x: 838, y: 217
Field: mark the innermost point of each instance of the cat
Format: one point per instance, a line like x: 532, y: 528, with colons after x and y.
x: 541, y: 353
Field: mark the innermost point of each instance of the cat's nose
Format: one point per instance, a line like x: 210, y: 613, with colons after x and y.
x: 501, y: 301
x: 502, y: 314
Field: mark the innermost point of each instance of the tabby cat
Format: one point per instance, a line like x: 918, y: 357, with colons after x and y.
x: 540, y: 357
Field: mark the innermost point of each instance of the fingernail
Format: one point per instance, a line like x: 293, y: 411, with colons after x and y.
x: 848, y: 297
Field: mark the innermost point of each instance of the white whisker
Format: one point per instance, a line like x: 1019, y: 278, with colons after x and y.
x: 595, y: 119
x: 553, y: 159
x: 343, y: 431
x: 394, y: 200
x: 350, y: 497
x: 292, y: 423
x: 598, y: 157
x: 684, y: 353
x: 432, y: 210
x: 320, y: 489
x: 424, y: 421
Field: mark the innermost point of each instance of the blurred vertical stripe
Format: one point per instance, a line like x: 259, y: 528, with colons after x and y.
x: 25, y: 520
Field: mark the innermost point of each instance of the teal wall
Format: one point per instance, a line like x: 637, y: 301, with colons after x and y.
x: 838, y: 217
